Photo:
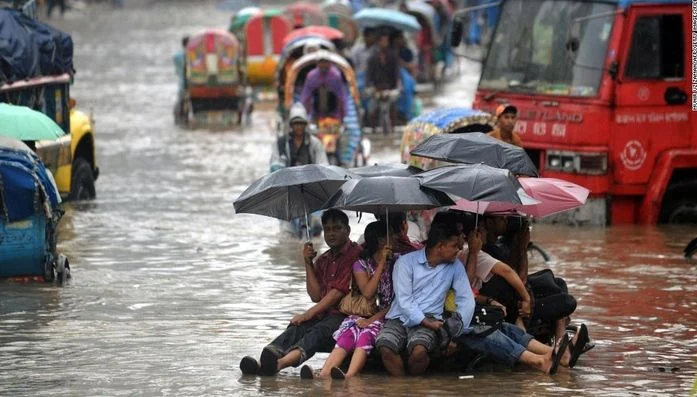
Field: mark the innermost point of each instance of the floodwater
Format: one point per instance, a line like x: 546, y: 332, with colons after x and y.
x: 170, y: 288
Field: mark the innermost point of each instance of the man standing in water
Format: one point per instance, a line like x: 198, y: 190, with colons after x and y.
x: 506, y: 117
x: 328, y: 280
x: 299, y: 147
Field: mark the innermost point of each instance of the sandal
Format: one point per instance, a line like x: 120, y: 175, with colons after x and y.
x: 579, y: 347
x: 558, y: 354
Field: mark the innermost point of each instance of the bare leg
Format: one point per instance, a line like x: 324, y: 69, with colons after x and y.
x: 392, y: 362
x: 537, y: 347
x: 289, y: 359
x: 336, y: 357
x: 418, y: 360
x: 537, y: 361
x: 358, y: 360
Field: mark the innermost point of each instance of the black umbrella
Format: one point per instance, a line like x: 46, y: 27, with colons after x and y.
x: 476, y: 182
x: 384, y: 193
x: 474, y: 148
x: 389, y: 169
x: 291, y: 192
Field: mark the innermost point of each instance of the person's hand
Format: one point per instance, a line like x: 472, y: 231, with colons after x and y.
x: 432, y: 324
x: 525, y: 308
x: 309, y: 253
x: 474, y: 241
x: 499, y: 305
x: 520, y: 324
x: 299, y: 319
x: 385, y: 255
x: 363, y: 322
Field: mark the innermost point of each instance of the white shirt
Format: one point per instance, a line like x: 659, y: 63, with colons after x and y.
x: 485, y: 263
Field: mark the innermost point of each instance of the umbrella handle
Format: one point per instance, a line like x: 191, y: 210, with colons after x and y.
x: 387, y: 225
x: 307, y: 221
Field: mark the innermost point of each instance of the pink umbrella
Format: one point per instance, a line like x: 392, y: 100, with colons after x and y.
x: 554, y: 196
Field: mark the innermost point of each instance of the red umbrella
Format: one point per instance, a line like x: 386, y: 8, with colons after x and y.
x: 554, y: 195
x: 324, y: 32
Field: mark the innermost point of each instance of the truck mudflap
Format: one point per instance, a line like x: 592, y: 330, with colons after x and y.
x: 666, y: 165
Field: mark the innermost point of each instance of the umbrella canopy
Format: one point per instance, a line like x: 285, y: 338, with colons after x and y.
x: 301, y: 42
x: 389, y: 169
x: 374, y: 17
x: 476, y: 182
x: 291, y: 192
x: 553, y: 196
x: 25, y: 124
x: 476, y: 147
x: 324, y: 32
x: 447, y: 120
x: 380, y: 194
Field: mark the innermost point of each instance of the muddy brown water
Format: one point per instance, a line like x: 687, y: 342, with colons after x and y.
x: 170, y: 288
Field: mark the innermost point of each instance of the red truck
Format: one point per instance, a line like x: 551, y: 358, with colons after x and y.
x: 604, y: 93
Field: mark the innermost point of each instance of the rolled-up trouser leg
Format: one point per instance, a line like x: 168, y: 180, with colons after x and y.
x: 319, y: 337
x: 496, y: 344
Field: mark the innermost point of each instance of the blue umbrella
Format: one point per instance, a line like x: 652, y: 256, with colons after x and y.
x: 374, y: 17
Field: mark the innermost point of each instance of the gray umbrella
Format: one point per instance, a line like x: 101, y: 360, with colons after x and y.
x: 292, y: 192
x: 381, y: 194
x: 476, y: 182
x: 388, y: 169
x: 474, y: 148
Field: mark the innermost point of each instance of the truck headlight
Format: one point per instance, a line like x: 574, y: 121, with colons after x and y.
x: 591, y: 163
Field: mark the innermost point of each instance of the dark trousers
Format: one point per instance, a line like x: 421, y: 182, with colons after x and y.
x: 309, y: 337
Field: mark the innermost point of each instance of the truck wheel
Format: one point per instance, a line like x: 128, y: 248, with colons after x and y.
x: 680, y: 204
x: 82, y: 181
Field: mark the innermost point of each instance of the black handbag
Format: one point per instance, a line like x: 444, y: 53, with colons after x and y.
x: 488, y: 315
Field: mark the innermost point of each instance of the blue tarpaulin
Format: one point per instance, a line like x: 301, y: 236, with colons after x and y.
x: 30, y: 48
x: 24, y: 185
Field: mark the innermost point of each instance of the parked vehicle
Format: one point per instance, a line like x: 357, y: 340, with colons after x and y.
x: 216, y: 86
x: 349, y: 147
x: 593, y: 83
x: 29, y: 215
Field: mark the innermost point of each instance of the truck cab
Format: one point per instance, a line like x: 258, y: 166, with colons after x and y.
x: 603, y: 91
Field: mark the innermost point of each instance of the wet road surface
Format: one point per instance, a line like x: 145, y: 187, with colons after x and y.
x: 170, y: 288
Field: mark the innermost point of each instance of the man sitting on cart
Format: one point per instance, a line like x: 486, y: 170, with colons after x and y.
x: 323, y: 92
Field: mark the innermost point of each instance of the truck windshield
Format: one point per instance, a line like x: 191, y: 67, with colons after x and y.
x: 531, y: 51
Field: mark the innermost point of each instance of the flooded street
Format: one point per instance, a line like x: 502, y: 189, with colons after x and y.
x: 170, y: 288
